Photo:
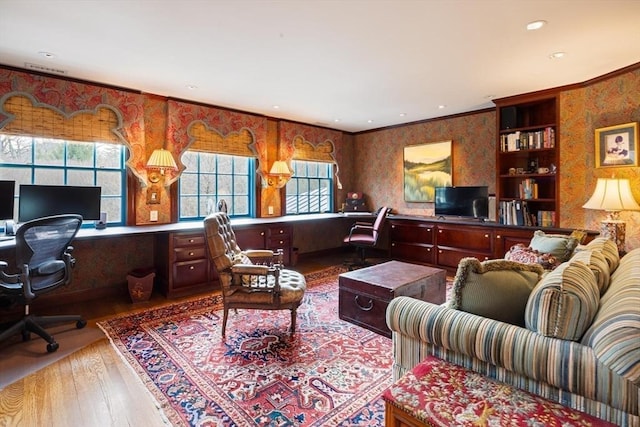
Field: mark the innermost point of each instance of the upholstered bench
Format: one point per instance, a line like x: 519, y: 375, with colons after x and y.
x: 438, y: 393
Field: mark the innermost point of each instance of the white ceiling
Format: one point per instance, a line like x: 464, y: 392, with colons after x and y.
x: 326, y: 60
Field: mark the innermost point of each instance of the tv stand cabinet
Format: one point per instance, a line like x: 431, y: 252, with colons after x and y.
x: 443, y: 243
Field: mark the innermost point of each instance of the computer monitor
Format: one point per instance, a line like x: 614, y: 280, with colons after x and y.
x: 37, y: 201
x: 7, y: 197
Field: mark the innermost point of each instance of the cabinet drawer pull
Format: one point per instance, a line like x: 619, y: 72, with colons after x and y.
x: 191, y: 267
x: 393, y: 226
x: 190, y: 253
x: 498, y: 236
x: 281, y: 242
x: 439, y: 231
x: 440, y: 251
x: 262, y: 233
x: 486, y: 235
x: 191, y: 240
x: 428, y: 249
x: 281, y: 231
x: 393, y: 244
x: 361, y: 307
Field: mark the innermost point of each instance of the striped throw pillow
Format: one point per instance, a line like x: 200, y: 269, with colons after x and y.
x: 564, y: 302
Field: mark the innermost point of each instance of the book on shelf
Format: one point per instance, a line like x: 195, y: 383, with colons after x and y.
x: 546, y: 218
x: 535, y: 140
x: 528, y: 189
x: 516, y: 212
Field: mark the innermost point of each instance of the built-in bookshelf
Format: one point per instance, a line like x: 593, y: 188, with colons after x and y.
x: 527, y: 160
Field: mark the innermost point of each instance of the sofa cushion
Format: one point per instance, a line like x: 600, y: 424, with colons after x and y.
x: 496, y: 289
x: 614, y: 334
x: 520, y: 253
x: 558, y: 245
x: 607, y: 248
x: 564, y: 302
x: 598, y: 265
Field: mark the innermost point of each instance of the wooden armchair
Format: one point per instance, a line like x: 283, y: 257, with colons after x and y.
x: 253, y: 279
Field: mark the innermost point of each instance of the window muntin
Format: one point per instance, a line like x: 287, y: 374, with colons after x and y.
x: 310, y: 190
x: 47, y: 161
x: 209, y: 178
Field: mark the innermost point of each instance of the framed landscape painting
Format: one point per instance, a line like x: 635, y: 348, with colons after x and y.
x: 426, y: 166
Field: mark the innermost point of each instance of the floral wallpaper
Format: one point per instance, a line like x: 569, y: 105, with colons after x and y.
x: 379, y: 158
x: 609, y: 102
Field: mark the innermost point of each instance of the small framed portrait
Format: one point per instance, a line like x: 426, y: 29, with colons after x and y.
x: 617, y: 146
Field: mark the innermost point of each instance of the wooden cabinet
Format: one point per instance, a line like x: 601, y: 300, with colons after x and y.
x: 412, y: 241
x: 444, y: 243
x: 182, y: 263
x: 457, y: 241
x: 527, y: 188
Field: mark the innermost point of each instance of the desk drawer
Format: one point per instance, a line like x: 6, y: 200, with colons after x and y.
x: 188, y: 254
x: 181, y: 240
x: 189, y: 273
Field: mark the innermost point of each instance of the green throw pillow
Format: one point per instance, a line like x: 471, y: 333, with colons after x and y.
x: 496, y: 289
x: 558, y: 245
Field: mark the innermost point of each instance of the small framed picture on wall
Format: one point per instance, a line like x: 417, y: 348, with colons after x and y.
x: 617, y: 146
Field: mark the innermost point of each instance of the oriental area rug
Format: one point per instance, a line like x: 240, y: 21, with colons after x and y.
x: 331, y: 373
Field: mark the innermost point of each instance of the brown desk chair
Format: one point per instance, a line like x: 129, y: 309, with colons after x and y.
x: 44, y: 261
x: 252, y: 278
x: 364, y: 235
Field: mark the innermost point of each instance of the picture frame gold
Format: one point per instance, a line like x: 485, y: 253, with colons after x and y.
x: 427, y: 166
x: 617, y: 146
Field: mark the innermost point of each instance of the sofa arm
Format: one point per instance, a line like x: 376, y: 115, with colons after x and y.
x: 461, y: 337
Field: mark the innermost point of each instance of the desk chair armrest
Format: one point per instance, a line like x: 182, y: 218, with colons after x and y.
x: 6, y: 277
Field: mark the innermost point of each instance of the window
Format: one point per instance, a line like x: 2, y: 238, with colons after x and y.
x: 310, y: 190
x: 44, y: 161
x: 209, y: 178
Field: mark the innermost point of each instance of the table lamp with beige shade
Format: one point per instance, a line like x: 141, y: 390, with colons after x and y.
x: 613, y: 196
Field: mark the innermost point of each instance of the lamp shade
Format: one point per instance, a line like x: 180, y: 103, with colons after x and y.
x: 279, y: 167
x: 612, y: 195
x: 161, y: 159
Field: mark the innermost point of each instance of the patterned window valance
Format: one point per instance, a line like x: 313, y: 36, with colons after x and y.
x: 26, y: 116
x: 203, y: 138
x: 305, y: 150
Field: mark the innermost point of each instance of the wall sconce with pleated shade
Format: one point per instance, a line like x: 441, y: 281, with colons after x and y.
x: 279, y: 174
x: 160, y: 160
x: 613, y: 196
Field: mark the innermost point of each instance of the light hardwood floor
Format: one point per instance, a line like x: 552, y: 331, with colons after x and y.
x: 93, y: 386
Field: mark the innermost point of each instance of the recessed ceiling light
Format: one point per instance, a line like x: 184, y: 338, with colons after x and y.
x: 441, y: 106
x: 275, y: 107
x: 403, y: 114
x: 47, y: 55
x: 557, y: 55
x: 369, y: 121
x: 336, y: 120
x: 536, y: 25
x: 192, y: 87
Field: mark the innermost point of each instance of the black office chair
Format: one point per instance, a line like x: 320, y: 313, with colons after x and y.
x: 43, y: 257
x: 365, y: 235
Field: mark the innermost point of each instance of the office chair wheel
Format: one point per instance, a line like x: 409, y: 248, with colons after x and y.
x: 81, y: 324
x: 51, y: 347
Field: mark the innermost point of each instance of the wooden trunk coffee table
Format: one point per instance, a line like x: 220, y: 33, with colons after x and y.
x: 364, y: 294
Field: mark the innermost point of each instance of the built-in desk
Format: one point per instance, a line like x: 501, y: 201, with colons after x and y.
x: 105, y: 257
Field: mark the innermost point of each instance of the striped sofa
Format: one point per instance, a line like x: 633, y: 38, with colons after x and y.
x: 597, y: 373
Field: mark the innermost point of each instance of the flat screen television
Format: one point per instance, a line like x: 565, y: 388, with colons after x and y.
x: 7, y: 198
x: 37, y: 201
x: 472, y: 201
